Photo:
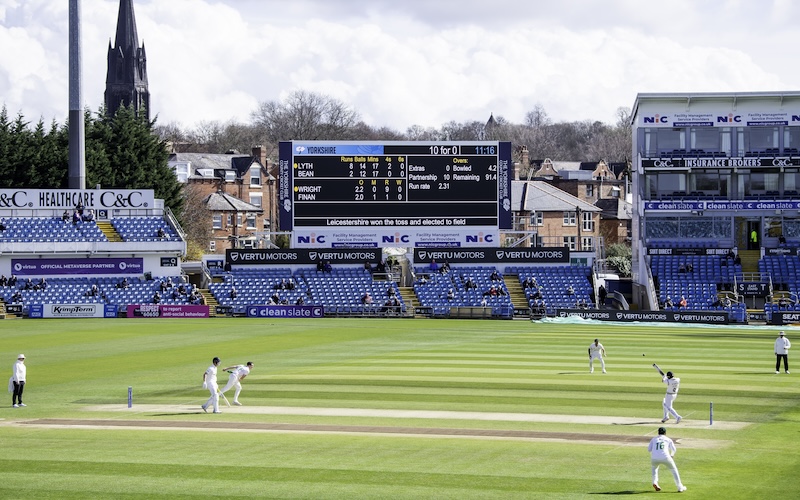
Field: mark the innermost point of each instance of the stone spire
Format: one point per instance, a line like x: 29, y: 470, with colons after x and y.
x: 126, y: 80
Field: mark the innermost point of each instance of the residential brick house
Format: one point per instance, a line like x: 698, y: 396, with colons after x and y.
x: 238, y: 190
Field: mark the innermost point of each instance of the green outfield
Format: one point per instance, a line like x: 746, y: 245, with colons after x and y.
x: 394, y: 409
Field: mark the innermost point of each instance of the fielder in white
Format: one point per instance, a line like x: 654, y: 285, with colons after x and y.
x: 237, y: 374
x: 210, y: 383
x: 662, y: 449
x: 673, y: 383
x: 596, y: 351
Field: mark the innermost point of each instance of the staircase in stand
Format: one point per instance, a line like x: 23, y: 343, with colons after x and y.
x: 107, y: 229
x: 409, y: 299
x: 750, y: 260
x: 210, y: 301
x: 515, y: 291
x: 4, y: 314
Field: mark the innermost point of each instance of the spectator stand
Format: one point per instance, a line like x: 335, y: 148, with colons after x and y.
x: 446, y: 295
x: 342, y: 292
x: 705, y: 282
x: 555, y: 283
x: 95, y: 290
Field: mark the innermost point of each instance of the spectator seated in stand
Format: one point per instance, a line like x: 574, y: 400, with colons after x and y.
x: 300, y: 301
x: 232, y: 293
x: 451, y: 295
x: 682, y: 303
x: 160, y: 233
x: 495, y: 276
x: 156, y: 298
x: 65, y: 216
x: 123, y: 284
x: 275, y: 299
x: 570, y: 290
x: 380, y: 268
x: 668, y: 303
x: 88, y: 216
x: 470, y: 284
x: 392, y: 306
x: 366, y: 299
x: 433, y: 266
x: 75, y: 218
x: 92, y: 292
x: 328, y: 268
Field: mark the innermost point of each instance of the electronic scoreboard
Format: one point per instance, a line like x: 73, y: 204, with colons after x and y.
x: 377, y: 194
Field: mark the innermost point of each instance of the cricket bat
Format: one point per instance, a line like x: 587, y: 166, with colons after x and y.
x: 658, y: 369
x: 226, y: 399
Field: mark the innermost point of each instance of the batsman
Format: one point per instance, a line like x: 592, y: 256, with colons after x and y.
x: 673, y: 383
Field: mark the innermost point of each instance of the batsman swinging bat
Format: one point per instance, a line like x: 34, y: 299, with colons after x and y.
x: 226, y: 399
x: 658, y: 369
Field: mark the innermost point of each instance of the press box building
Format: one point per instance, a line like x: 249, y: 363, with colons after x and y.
x: 714, y: 171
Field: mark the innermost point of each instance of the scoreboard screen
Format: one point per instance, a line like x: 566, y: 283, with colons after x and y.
x: 374, y: 194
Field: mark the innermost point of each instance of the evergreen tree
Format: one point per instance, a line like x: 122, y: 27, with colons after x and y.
x: 122, y: 152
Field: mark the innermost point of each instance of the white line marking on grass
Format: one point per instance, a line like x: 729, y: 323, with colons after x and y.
x: 427, y: 414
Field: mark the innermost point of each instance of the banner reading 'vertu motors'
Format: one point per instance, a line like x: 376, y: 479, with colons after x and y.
x: 708, y: 317
x: 303, y: 256
x: 480, y: 255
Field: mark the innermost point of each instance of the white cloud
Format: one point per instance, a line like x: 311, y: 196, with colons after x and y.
x: 403, y: 63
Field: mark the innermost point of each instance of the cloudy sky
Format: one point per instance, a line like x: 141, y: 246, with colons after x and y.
x: 408, y: 62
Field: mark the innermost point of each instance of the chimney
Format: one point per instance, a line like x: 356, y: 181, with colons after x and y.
x: 260, y: 153
x: 523, y: 163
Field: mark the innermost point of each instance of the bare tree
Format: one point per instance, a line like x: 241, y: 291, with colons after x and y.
x: 420, y: 133
x: 614, y: 143
x: 306, y: 116
x: 196, y: 221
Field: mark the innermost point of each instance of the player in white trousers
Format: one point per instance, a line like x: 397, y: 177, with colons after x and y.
x: 210, y: 383
x: 237, y: 374
x: 662, y: 449
x: 596, y: 351
x: 673, y: 383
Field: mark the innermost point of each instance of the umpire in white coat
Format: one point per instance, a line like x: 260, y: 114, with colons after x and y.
x: 782, y: 346
x: 18, y: 374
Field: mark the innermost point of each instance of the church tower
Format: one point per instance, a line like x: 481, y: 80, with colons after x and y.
x: 126, y: 80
